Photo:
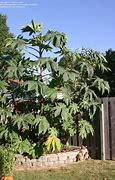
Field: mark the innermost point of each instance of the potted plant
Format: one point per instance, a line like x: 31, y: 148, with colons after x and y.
x: 6, y: 163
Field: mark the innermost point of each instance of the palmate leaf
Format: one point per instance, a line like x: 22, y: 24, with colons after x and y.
x: 18, y: 43
x: 58, y: 39
x: 24, y: 121
x: 68, y: 75
x: 32, y: 28
x: 65, y: 76
x: 100, y: 57
x: 58, y: 109
x: 5, y: 112
x: 67, y: 99
x: 89, y: 94
x: 72, y: 75
x: 2, y: 131
x: 42, y: 123
x: 33, y: 85
x: 3, y: 100
x: 61, y: 110
x: 101, y: 85
x: 90, y: 106
x: 53, y: 144
x: 68, y: 125
x: 15, y: 69
x: 53, y: 131
x: 61, y: 70
x: 66, y: 94
x: 35, y: 150
x: 29, y: 118
x: 93, y: 108
x: 7, y: 133
x: 64, y: 113
x: 103, y: 68
x: 51, y: 93
x: 74, y: 108
x: 85, y: 128
x: 3, y: 86
x: 46, y: 62
x: 15, y: 141
x: 19, y: 122
x: 24, y: 146
x: 87, y: 67
x: 52, y: 66
x: 48, y: 144
x: 14, y: 137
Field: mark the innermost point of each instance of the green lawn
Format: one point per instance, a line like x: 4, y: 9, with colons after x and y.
x: 87, y: 170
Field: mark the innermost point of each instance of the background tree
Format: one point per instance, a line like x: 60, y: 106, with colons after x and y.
x: 6, y: 53
x: 4, y: 29
x: 110, y: 75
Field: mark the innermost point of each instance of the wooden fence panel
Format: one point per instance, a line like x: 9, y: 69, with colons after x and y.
x: 92, y: 142
x: 102, y: 144
x: 112, y: 127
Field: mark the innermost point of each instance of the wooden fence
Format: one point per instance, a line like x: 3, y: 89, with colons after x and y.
x: 107, y: 127
x: 102, y: 144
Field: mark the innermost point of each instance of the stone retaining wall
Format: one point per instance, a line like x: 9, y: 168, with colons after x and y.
x: 49, y: 160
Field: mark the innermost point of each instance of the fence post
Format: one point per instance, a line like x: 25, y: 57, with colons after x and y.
x: 102, y: 132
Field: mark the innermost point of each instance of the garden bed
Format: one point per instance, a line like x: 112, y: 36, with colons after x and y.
x: 66, y: 156
x: 47, y: 160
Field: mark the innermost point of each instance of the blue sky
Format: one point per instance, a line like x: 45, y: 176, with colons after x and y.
x: 87, y: 23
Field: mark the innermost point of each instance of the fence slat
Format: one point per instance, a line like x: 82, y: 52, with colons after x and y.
x: 106, y: 127
x: 112, y: 129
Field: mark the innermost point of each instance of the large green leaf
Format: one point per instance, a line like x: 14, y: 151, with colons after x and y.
x: 101, y: 85
x: 32, y: 85
x: 51, y: 94
x: 24, y: 121
x: 24, y: 146
x: 42, y: 123
x: 85, y: 128
x: 32, y: 28
x: 3, y: 86
x: 74, y: 108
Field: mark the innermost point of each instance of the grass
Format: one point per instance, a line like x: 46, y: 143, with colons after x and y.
x: 87, y: 170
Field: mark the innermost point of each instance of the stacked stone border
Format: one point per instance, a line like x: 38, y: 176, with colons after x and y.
x: 49, y: 160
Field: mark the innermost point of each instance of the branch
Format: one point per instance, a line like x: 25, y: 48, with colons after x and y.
x: 32, y: 54
x: 33, y: 49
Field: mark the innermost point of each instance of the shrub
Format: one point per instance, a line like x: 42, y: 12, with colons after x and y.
x: 44, y: 92
x: 6, y: 161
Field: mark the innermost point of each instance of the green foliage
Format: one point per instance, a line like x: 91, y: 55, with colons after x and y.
x: 85, y: 128
x: 4, y: 30
x: 32, y: 28
x: 53, y: 143
x: 87, y: 84
x: 7, y: 159
x: 110, y: 75
x: 44, y: 99
x: 43, y: 125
